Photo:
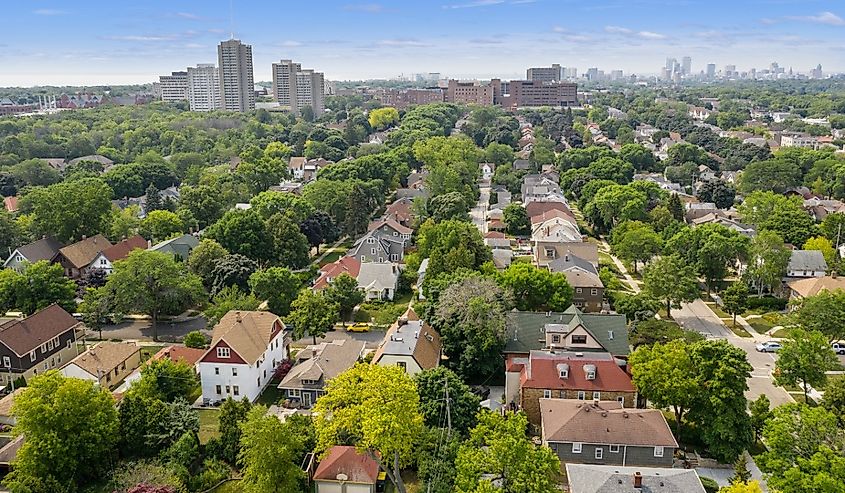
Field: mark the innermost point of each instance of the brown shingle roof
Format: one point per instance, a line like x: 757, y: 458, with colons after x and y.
x: 248, y: 333
x: 105, y: 357
x: 581, y: 279
x: 121, y: 249
x: 22, y: 336
x: 345, y: 460
x: 569, y: 420
x: 389, y: 222
x: 418, y: 339
x: 8, y: 400
x: 82, y: 253
x: 813, y: 285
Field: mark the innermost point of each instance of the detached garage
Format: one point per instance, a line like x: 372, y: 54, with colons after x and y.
x: 344, y: 470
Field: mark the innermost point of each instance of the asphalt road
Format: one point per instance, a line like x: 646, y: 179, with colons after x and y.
x: 699, y: 317
x: 141, y: 330
x: 479, y: 212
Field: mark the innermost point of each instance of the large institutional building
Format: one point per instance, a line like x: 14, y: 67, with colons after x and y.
x: 237, y: 87
x: 174, y: 87
x: 204, y: 87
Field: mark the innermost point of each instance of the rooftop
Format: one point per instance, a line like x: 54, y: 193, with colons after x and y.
x: 344, y: 463
x: 526, y: 331
x: 584, y: 478
x: 105, y: 356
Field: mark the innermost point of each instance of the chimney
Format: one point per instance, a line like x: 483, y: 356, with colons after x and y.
x: 84, y: 237
x: 638, y: 480
x: 238, y: 316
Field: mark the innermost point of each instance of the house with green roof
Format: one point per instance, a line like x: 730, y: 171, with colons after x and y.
x: 180, y: 247
x: 570, y: 330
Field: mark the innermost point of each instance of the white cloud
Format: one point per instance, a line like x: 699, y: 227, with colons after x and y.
x: 49, y: 12
x: 828, y: 18
x: 403, y: 43
x: 188, y: 15
x: 474, y: 4
x: 135, y: 37
x: 291, y: 44
x: 617, y: 30
x: 650, y: 35
x: 630, y: 32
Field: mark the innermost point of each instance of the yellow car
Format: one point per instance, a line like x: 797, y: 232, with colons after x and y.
x: 358, y: 328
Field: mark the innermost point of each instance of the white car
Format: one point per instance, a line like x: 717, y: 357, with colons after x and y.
x: 769, y: 347
x: 838, y: 347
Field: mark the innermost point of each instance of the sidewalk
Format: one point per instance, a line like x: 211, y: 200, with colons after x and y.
x: 619, y: 265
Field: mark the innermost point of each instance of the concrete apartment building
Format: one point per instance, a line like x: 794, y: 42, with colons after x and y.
x: 296, y: 88
x: 403, y: 98
x: 545, y: 74
x: 204, y: 87
x: 237, y: 87
x: 536, y: 93
x: 472, y: 92
x: 174, y: 87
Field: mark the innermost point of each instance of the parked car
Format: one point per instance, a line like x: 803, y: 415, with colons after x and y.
x: 838, y: 347
x: 359, y: 327
x: 769, y: 347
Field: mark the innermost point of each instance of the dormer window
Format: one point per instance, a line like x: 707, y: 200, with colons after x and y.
x: 579, y: 339
x: 564, y: 373
x: 223, y: 352
x: 591, y: 375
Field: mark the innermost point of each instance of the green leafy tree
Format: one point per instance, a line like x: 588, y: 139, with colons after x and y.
x: 166, y: 381
x: 278, y: 285
x: 517, y: 220
x: 39, y: 285
x: 824, y: 312
x: 377, y: 409
x: 448, y: 206
x: 232, y: 416
x: 768, y: 259
x: 742, y: 486
x: 290, y: 246
x: 775, y: 175
x: 651, y: 330
x: 823, y: 245
x: 269, y: 203
x: 638, y: 243
x: 311, y: 314
x: 536, y: 289
x: 832, y: 227
x: 675, y: 207
x: 245, y: 233
x: 227, y: 299
x: 432, y: 386
x: 804, y: 359
x: 204, y: 257
x: 784, y: 215
x: 206, y: 203
x: 160, y: 225
x: 345, y: 294
x: 718, y: 192
x: 761, y: 411
x: 153, y: 283
x: 71, y: 433
x: 499, y: 450
x: 670, y: 279
x: 382, y: 118
x: 834, y: 398
x: 641, y: 158
x: 735, y: 299
x: 268, y: 454
x: 451, y: 245
x: 195, y: 339
x: 232, y: 270
x: 70, y: 210
x: 125, y: 222
x: 470, y: 316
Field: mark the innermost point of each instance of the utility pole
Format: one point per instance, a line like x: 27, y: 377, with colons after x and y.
x: 448, y: 411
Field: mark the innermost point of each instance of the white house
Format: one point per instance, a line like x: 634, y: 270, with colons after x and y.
x: 246, y: 347
x: 806, y: 263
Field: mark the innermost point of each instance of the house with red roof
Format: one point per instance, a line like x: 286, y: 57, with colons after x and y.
x: 400, y: 211
x: 345, y: 470
x: 554, y: 374
x: 328, y: 272
x: 105, y: 259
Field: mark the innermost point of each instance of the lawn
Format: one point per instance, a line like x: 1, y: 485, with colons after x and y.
x: 333, y: 256
x: 209, y: 424
x: 768, y: 321
x: 833, y: 378
x: 148, y: 352
x: 383, y: 313
x: 271, y: 394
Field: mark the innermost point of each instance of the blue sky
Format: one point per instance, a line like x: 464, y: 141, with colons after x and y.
x: 132, y: 41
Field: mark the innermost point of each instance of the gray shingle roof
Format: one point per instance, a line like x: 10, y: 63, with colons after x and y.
x: 570, y: 260
x: 526, y: 330
x: 585, y: 478
x: 808, y: 260
x: 43, y: 249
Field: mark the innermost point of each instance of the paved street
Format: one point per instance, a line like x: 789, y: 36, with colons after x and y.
x: 699, y: 317
x: 141, y: 330
x: 479, y: 212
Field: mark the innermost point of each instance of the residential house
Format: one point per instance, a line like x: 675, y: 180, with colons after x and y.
x: 695, y: 210
x: 180, y: 247
x: 296, y: 166
x: 546, y: 252
x: 588, y: 290
x: 105, y: 260
x: 556, y: 229
x: 570, y: 330
x: 107, y: 363
x: 401, y: 211
x: 566, y: 375
x: 177, y: 354
x: 497, y: 239
x: 11, y: 204
x: 345, y: 470
x: 376, y: 246
x: 43, y: 341
x: 411, y: 344
x: 246, y: 347
x: 343, y: 265
x: 539, y: 207
x: 604, y: 432
x: 811, y: 286
x: 388, y: 228
x: 820, y: 208
x: 292, y: 187
x: 7, y: 418
x: 591, y: 478
x: 96, y: 158
x: 411, y: 193
x: 660, y: 181
x: 44, y: 249
x: 416, y: 179
x: 502, y: 258
x: 706, y: 174
x: 806, y: 263
x: 487, y: 170
x: 316, y: 365
x: 522, y: 165
x: 78, y: 258
x: 699, y: 112
x: 723, y: 219
x: 537, y: 187
x: 379, y: 280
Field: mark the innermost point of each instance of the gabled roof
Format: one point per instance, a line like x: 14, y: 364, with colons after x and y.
x: 121, y: 249
x: 43, y: 249
x: 542, y: 371
x: 345, y: 463
x: 814, y: 285
x: 327, y: 361
x: 379, y: 275
x: 82, y: 253
x: 556, y: 213
x: 105, y: 357
x: 181, y: 245
x: 247, y: 333
x: 10, y: 203
x: 410, y: 336
x: 580, y: 279
x: 390, y: 223
x: 571, y: 420
x: 187, y: 355
x: 24, y: 335
x: 106, y: 162
x: 348, y: 265
x: 807, y: 260
x: 537, y: 207
x: 571, y: 261
x: 296, y: 162
x: 589, y: 478
x: 526, y: 330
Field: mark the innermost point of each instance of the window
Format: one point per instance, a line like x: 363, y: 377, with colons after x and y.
x: 216, y: 370
x: 591, y: 375
x: 579, y: 339
x: 116, y: 372
x: 108, y: 377
x: 599, y: 453
x: 227, y: 389
x: 236, y: 390
x: 43, y: 348
x: 403, y: 365
x: 45, y: 365
x: 550, y: 252
x: 373, y: 251
x: 69, y: 343
x: 614, y: 449
x: 32, y: 355
x: 258, y: 381
x: 394, y: 257
x: 576, y: 447
x: 578, y: 290
x: 621, y: 400
x: 596, y: 396
x: 123, y: 366
x: 547, y: 394
x: 293, y: 393
x: 52, y: 362
x: 658, y: 451
x: 564, y: 373
x: 234, y: 372
x: 594, y: 292
x: 581, y: 395
x: 555, y: 338
x: 223, y: 352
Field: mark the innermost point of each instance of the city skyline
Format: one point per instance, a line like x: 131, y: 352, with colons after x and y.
x: 105, y: 43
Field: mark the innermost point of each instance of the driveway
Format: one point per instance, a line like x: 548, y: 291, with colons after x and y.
x: 699, y: 317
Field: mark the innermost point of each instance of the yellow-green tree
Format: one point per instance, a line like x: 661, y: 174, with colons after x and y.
x: 382, y: 118
x: 741, y: 487
x: 377, y: 409
x: 823, y: 245
x: 269, y: 449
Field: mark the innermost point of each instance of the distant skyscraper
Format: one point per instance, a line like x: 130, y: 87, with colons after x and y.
x: 817, y: 73
x: 204, y: 87
x: 545, y: 74
x: 592, y: 73
x: 670, y: 64
x: 686, y: 65
x: 730, y: 71
x: 237, y: 89
x: 174, y: 87
x: 711, y: 70
x: 296, y: 88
